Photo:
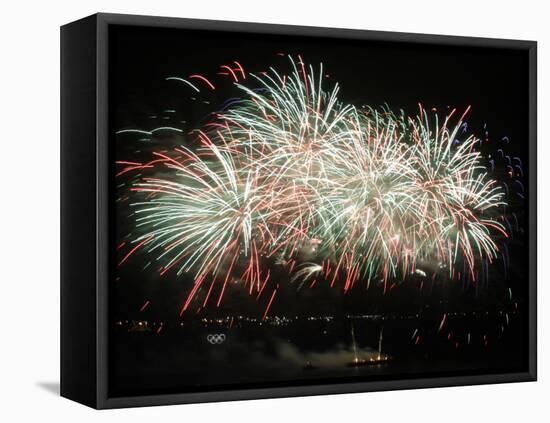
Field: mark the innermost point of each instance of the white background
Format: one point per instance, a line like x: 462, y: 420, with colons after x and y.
x: 29, y: 209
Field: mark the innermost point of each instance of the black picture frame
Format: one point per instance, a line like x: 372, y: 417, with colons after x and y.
x: 85, y: 215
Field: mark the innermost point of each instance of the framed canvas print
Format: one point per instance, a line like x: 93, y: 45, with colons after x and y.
x: 254, y: 211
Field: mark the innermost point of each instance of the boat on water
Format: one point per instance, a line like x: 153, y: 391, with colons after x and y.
x: 379, y: 358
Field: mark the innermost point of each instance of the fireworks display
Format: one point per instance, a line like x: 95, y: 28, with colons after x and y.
x: 289, y: 177
x: 294, y: 210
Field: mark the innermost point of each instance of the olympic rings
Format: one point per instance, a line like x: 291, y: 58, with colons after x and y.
x: 215, y: 338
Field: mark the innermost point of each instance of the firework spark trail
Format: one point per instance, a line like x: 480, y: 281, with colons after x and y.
x: 145, y: 305
x: 291, y: 170
x: 307, y: 271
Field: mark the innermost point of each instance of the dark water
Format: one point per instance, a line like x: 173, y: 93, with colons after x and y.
x: 179, y: 358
